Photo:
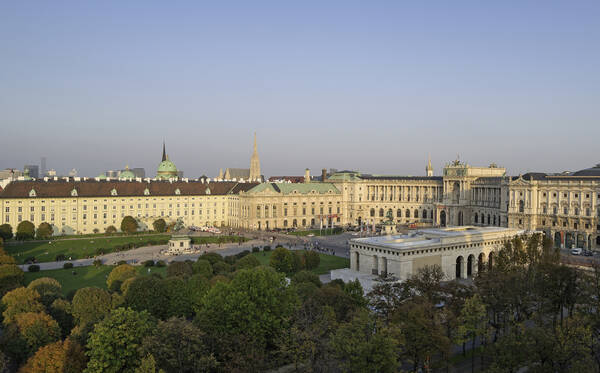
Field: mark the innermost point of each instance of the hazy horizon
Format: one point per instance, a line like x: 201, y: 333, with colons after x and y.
x: 375, y: 87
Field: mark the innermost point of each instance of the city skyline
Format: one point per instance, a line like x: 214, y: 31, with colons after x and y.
x: 373, y: 87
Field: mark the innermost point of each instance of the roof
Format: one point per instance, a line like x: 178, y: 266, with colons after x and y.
x: 301, y: 188
x: 592, y: 171
x: 93, y: 188
x: 292, y: 179
x: 167, y: 166
x: 238, y: 173
x: 399, y: 177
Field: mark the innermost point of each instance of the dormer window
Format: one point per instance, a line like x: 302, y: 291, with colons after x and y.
x: 74, y: 193
x: 207, y: 191
x: 32, y: 193
x: 113, y: 192
x: 146, y: 192
x: 177, y: 191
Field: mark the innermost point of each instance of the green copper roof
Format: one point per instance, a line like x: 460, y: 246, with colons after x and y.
x: 102, y: 176
x: 126, y: 175
x: 344, y: 176
x: 300, y: 188
x: 167, y: 166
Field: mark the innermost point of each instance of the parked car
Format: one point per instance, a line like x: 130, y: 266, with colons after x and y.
x: 576, y: 251
x: 588, y: 253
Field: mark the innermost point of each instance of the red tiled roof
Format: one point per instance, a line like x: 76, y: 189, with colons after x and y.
x: 93, y: 188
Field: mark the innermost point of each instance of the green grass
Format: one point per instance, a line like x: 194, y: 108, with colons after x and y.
x: 218, y: 239
x: 85, y: 276
x: 328, y: 262
x: 317, y: 232
x: 76, y: 248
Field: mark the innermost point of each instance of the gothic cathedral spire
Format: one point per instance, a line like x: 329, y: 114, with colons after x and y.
x: 164, y: 157
x: 255, y: 163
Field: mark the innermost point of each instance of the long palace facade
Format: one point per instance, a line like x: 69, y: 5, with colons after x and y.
x: 564, y: 206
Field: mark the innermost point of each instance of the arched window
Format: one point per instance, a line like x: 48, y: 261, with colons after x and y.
x: 381, y: 213
x: 476, y: 218
x: 416, y: 213
x: 576, y: 211
x: 489, y: 220
x: 372, y: 212
x: 399, y: 213
x: 424, y: 214
x: 555, y: 210
x: 521, y: 206
x: 494, y: 219
x: 587, y: 211
x: 407, y: 213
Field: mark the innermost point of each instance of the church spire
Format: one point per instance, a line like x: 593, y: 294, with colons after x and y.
x: 255, y: 164
x: 164, y: 156
x: 429, y: 168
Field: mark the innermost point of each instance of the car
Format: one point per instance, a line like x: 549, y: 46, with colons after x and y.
x: 310, y: 235
x: 588, y: 253
x: 576, y: 251
x: 355, y: 234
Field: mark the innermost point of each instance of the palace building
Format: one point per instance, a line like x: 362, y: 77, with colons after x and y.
x: 565, y: 206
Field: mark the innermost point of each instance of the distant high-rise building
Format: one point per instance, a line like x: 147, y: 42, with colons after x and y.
x: 34, y: 170
x: 43, y: 163
x: 112, y: 174
x: 51, y: 173
x: 139, y: 172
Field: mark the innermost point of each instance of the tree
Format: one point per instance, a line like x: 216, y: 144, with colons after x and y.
x: 11, y: 277
x: 36, y: 330
x: 118, y: 275
x: 60, y: 310
x: 244, y: 316
x: 6, y: 232
x: 179, y: 346
x: 59, y: 357
x: 306, y: 276
x: 20, y: 300
x: 148, y: 293
x: 159, y: 225
x: 115, y: 343
x: 44, y: 231
x: 363, y: 346
x: 129, y: 225
x: 48, y: 288
x: 247, y: 262
x: 183, y: 269
x: 311, y: 259
x: 472, y: 325
x: 110, y: 229
x: 148, y: 365
x: 203, y: 267
x: 25, y: 231
x: 90, y: 305
x: 283, y: 260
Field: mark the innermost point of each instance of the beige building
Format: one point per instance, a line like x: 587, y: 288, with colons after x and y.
x: 460, y: 251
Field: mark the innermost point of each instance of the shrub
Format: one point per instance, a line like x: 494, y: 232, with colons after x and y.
x: 267, y: 248
x: 6, y: 231
x: 242, y: 254
x: 121, y: 262
x: 160, y: 263
x: 68, y: 265
x: 149, y: 263
x: 25, y: 230
x: 44, y: 231
x: 255, y: 249
x: 120, y: 273
x: 61, y: 257
x: 110, y: 229
x: 33, y: 268
x: 99, y: 251
x: 30, y: 259
x: 97, y: 263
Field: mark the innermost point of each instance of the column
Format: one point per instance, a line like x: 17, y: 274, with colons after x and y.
x: 353, y: 260
x: 463, y: 269
x: 382, y: 266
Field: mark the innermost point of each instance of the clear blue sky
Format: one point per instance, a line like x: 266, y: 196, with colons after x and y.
x: 368, y: 85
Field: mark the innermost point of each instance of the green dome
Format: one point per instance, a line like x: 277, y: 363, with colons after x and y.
x: 102, y: 176
x: 126, y: 174
x: 167, y: 166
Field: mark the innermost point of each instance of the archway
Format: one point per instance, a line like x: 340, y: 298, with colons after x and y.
x: 357, y: 261
x: 491, y: 261
x: 460, y: 218
x: 489, y: 220
x: 443, y: 218
x: 459, y: 266
x: 470, y: 264
x: 375, y: 269
x: 480, y: 262
x: 476, y: 218
x: 312, y: 221
x: 456, y: 192
x: 580, y: 241
x: 569, y: 241
x: 557, y: 239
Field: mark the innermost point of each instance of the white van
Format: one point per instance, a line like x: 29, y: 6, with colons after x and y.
x: 576, y: 251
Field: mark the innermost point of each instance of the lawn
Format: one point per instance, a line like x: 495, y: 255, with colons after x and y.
x: 317, y: 232
x: 85, y: 276
x: 328, y: 262
x: 47, y: 251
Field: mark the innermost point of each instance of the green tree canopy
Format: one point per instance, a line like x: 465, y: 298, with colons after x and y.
x: 110, y: 229
x: 11, y: 277
x: 6, y: 232
x: 148, y: 293
x: 36, y: 329
x: 179, y: 346
x: 25, y: 231
x: 203, y: 267
x: 247, y: 262
x: 59, y: 357
x: 176, y: 268
x: 90, y: 305
x: 115, y: 344
x: 119, y: 274
x: 129, y: 225
x: 20, y: 300
x: 285, y: 261
x: 159, y: 225
x: 44, y: 231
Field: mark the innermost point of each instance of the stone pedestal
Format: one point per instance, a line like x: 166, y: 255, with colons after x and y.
x: 389, y: 229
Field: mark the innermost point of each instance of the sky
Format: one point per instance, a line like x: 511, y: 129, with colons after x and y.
x: 375, y: 86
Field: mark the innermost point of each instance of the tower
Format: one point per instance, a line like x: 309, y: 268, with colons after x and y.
x: 164, y: 157
x: 255, y: 164
x: 429, y: 168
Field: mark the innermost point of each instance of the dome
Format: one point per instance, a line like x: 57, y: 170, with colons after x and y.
x: 167, y: 166
x: 592, y: 171
x: 102, y: 176
x: 126, y: 174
